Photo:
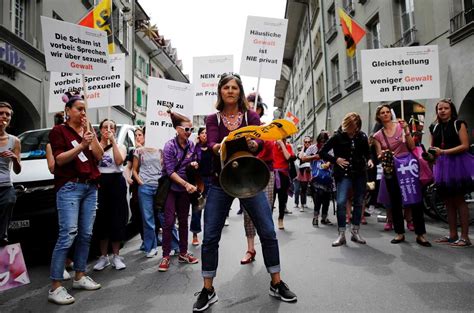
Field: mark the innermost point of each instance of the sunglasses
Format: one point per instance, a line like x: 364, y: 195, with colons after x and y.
x: 224, y: 75
x: 307, y: 141
x: 187, y: 129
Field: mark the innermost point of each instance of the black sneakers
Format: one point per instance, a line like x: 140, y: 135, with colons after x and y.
x: 204, y: 300
x: 282, y: 292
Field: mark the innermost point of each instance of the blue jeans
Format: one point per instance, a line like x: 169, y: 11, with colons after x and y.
x: 344, y: 185
x: 217, y: 206
x: 297, y: 186
x: 146, y: 194
x: 77, y: 205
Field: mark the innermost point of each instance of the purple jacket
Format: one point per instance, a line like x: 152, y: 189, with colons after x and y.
x: 172, y: 153
x: 217, y: 131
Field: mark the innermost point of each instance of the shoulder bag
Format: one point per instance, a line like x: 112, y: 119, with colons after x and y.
x: 164, y: 185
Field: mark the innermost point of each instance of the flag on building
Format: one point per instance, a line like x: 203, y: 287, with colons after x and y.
x: 292, y: 118
x: 353, y: 33
x: 100, y: 18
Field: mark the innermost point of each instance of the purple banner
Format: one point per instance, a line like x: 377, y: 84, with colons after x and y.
x: 408, y: 173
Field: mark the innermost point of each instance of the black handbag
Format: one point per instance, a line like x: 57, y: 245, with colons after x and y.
x: 292, y: 168
x: 164, y: 185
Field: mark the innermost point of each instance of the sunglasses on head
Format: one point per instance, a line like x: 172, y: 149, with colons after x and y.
x: 187, y: 129
x: 224, y: 75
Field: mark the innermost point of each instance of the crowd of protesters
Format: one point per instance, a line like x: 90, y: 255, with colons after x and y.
x: 93, y: 174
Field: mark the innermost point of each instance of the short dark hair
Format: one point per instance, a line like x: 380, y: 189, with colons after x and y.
x: 201, y: 129
x: 59, y: 118
x: 4, y: 104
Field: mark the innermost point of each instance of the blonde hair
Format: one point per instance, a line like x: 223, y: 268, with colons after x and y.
x: 350, y: 119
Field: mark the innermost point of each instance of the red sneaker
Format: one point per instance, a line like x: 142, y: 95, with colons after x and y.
x: 187, y: 258
x: 164, y: 264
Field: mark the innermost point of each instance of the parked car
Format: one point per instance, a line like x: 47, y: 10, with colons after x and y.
x: 34, y: 222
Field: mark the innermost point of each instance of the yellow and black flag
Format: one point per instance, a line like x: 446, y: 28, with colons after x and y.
x: 353, y: 33
x: 101, y: 18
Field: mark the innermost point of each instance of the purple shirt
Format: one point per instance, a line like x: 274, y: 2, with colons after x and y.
x: 216, y: 131
x: 172, y: 153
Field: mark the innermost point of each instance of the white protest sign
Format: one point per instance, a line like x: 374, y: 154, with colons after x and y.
x: 264, y: 44
x: 206, y: 74
x: 400, y: 73
x: 105, y: 90
x: 163, y: 93
x: 72, y: 48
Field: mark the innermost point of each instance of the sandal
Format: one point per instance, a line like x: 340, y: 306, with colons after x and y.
x: 246, y: 260
x: 446, y: 240
x: 461, y: 243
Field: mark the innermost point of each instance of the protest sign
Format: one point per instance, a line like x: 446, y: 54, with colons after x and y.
x: 102, y: 91
x: 400, y: 73
x: 13, y: 272
x: 72, y: 48
x: 264, y: 44
x: 163, y: 94
x: 206, y: 74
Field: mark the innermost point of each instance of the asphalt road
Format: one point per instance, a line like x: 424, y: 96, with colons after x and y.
x: 377, y: 277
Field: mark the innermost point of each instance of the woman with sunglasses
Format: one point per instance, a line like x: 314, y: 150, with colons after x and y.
x: 395, y: 138
x: 303, y: 176
x: 453, y: 169
x: 351, y: 158
x: 76, y: 176
x: 233, y: 113
x: 183, y: 152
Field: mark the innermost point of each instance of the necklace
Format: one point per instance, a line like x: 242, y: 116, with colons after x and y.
x: 231, y: 121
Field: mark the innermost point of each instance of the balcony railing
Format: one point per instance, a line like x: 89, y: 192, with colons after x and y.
x: 351, y: 80
x: 335, y: 92
x: 331, y: 33
x: 349, y: 8
x: 408, y: 38
x: 460, y: 20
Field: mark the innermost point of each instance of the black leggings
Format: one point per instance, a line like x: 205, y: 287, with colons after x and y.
x: 397, y: 209
x: 321, y: 198
x: 282, y: 193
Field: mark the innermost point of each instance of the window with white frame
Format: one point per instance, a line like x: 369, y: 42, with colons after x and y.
x: 335, y: 72
x: 17, y: 16
x: 408, y: 19
x: 373, y: 35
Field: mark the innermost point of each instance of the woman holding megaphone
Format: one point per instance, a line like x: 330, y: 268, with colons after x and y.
x: 233, y: 113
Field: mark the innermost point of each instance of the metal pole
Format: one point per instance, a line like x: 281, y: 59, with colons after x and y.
x: 326, y: 89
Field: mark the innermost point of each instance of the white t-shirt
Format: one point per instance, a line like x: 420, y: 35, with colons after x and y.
x: 107, y: 164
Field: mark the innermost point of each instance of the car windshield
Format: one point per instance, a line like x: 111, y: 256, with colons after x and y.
x: 33, y: 143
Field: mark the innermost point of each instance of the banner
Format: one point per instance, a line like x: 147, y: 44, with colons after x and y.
x: 206, y: 74
x: 163, y: 94
x: 72, y: 48
x: 100, y: 18
x: 102, y: 91
x: 13, y: 271
x: 277, y: 129
x: 400, y: 73
x: 264, y: 44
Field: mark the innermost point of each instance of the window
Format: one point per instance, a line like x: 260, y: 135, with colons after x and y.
x: 351, y: 65
x: 305, y: 29
x: 307, y: 63
x: 144, y: 100
x: 348, y: 6
x: 335, y: 91
x: 332, y: 24
x: 408, y: 20
x: 17, y: 16
x: 352, y: 80
x: 320, y: 89
x: 309, y: 101
x: 88, y: 3
x: 373, y: 34
x: 462, y: 14
x: 317, y: 45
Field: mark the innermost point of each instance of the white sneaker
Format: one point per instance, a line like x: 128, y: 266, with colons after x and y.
x: 66, y: 275
x: 102, y: 263
x: 153, y: 252
x: 117, y: 262
x: 302, y: 209
x: 226, y: 223
x: 60, y: 296
x: 85, y: 283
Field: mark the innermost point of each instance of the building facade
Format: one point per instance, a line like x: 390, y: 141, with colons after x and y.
x: 398, y: 23
x: 24, y: 81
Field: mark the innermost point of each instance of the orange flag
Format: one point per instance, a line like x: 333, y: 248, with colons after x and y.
x: 291, y: 117
x: 353, y: 33
x: 100, y: 18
